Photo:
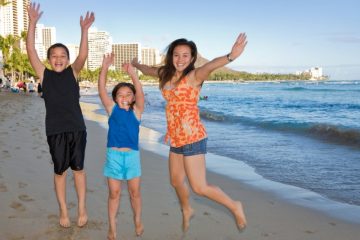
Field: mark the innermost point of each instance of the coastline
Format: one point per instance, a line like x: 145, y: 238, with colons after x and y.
x: 29, y: 208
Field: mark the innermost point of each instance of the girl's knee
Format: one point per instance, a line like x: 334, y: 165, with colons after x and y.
x: 114, y: 194
x: 134, y: 193
x: 199, y: 189
x: 176, y: 182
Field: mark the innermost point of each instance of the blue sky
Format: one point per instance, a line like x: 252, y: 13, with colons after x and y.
x: 283, y: 35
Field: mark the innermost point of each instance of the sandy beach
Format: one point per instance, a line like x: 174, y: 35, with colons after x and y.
x: 28, y: 207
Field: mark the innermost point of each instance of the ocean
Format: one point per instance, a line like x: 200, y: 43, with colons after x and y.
x: 299, y: 139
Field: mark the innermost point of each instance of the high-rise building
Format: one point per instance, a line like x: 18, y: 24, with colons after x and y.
x: 73, y: 52
x: 150, y: 56
x: 49, y: 36
x: 14, y: 19
x: 44, y: 38
x: 125, y: 52
x: 99, y: 44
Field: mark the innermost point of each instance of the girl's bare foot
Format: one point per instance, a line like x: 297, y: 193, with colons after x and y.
x: 82, y: 220
x: 187, y: 216
x: 64, y: 219
x: 240, y: 216
x: 139, y: 229
x: 111, y: 235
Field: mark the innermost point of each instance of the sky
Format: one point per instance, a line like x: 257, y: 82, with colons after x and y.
x: 283, y: 36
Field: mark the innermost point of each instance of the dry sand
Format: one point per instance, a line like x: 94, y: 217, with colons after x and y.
x: 28, y: 207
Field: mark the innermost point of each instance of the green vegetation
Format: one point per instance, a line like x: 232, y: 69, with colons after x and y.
x: 18, y: 66
x: 245, y: 76
x: 15, y: 62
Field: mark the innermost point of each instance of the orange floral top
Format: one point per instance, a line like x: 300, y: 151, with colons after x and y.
x: 182, y: 115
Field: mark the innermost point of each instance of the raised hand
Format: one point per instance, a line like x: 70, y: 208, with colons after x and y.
x: 108, y: 60
x: 86, y: 22
x: 127, y: 67
x: 34, y: 13
x: 134, y: 61
x: 238, y: 46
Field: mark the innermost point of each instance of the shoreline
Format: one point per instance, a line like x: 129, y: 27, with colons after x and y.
x: 29, y: 208
x: 245, y: 174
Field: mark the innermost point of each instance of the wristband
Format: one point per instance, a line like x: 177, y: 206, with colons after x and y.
x: 229, y: 58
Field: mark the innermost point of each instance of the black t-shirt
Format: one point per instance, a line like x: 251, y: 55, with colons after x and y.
x: 61, y: 93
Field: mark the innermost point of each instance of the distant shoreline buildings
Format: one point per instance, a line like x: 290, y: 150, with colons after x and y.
x: 315, y: 73
x: 14, y: 20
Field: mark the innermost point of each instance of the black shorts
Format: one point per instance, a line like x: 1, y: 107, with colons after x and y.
x: 67, y: 150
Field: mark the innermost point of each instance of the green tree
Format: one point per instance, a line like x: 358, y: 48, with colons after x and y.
x: 4, y: 2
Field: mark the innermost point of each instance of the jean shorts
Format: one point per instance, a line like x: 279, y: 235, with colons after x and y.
x: 191, y: 149
x: 122, y: 165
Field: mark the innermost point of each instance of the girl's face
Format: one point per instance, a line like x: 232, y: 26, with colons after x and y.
x: 181, y: 57
x: 125, y: 97
x: 58, y: 59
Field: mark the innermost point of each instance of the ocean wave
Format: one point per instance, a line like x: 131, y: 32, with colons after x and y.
x: 323, y: 131
x: 319, y: 89
x: 335, y: 134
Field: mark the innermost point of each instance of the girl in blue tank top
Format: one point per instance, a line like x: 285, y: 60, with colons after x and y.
x: 122, y: 158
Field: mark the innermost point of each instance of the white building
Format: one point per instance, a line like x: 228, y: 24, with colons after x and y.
x: 14, y: 19
x: 316, y: 73
x: 150, y: 56
x: 44, y: 38
x: 99, y: 44
x: 73, y: 52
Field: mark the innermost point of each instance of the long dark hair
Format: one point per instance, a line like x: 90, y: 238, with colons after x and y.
x: 167, y: 71
x: 56, y: 45
x: 120, y: 85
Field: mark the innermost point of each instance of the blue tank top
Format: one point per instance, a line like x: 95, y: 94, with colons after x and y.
x: 123, y: 129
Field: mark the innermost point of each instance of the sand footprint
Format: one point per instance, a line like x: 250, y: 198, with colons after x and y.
x: 6, y: 153
x: 22, y: 185
x: 17, y: 206
x: 93, y: 224
x: 3, y: 188
x: 25, y: 198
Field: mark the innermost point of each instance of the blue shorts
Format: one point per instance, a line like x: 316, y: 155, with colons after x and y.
x: 191, y: 149
x: 122, y: 165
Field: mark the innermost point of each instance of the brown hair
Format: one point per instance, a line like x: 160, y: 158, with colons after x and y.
x: 121, y: 85
x: 167, y: 71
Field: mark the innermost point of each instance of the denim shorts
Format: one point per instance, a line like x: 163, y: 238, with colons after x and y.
x: 122, y: 165
x: 191, y: 149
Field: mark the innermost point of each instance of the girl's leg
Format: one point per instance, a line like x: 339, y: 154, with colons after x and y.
x: 80, y: 186
x: 60, y: 190
x: 177, y: 180
x: 113, y: 205
x: 196, y: 172
x: 135, y: 199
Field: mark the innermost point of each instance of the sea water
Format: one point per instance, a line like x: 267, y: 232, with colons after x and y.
x: 300, y: 134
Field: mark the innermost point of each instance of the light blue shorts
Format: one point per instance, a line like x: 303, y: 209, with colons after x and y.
x: 122, y: 165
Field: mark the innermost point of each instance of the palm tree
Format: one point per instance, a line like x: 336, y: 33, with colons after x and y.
x: 7, y: 45
x: 4, y: 2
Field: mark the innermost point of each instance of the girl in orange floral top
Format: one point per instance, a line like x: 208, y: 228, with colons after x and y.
x: 180, y: 85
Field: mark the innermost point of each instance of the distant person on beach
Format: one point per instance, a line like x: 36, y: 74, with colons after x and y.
x: 122, y: 157
x: 180, y: 85
x: 65, y: 126
x: 31, y: 87
x: 39, y: 89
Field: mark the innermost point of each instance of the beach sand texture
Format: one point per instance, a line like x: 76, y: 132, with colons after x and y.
x: 28, y: 207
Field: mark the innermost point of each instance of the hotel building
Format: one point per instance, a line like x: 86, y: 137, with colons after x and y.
x: 14, y: 19
x: 99, y: 44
